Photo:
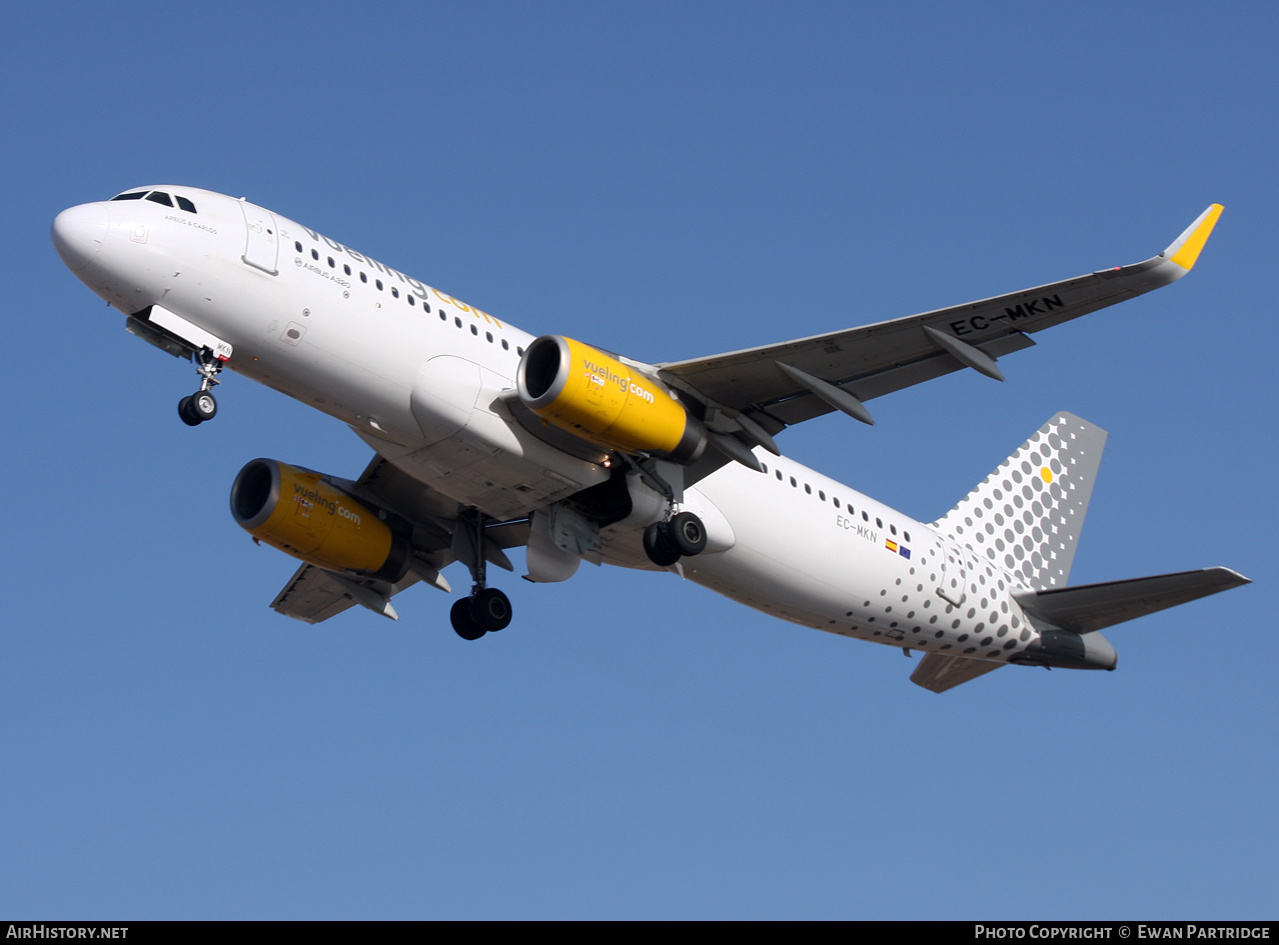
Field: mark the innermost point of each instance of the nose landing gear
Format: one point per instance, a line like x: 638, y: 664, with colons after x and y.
x: 201, y: 406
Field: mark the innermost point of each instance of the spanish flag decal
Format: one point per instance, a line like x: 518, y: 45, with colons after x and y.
x: 890, y: 545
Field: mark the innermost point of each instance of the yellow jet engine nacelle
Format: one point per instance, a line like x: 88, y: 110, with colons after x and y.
x: 298, y: 512
x: 595, y: 396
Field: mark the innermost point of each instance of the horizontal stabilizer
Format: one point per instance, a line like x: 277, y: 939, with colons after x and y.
x: 938, y: 673
x: 1092, y: 607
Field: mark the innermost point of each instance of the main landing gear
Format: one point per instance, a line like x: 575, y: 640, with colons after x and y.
x: 681, y: 537
x: 487, y: 610
x: 201, y: 406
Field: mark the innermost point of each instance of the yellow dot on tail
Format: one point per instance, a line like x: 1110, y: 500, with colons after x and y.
x: 1046, y: 474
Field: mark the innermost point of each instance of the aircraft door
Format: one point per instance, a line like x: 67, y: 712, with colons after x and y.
x: 953, y: 576
x: 262, y: 244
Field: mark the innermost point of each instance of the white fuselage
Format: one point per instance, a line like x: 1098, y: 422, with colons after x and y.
x: 425, y: 378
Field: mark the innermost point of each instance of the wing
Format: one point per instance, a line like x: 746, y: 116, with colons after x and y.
x: 777, y: 385
x: 314, y: 594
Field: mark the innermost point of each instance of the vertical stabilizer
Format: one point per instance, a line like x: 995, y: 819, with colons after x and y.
x: 1026, y: 516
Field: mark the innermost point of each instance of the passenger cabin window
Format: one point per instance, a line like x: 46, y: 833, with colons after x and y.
x: 160, y: 197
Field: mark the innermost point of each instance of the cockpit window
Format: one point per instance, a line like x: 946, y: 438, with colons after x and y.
x: 159, y: 197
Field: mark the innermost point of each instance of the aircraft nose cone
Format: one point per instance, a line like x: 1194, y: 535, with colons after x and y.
x: 78, y: 234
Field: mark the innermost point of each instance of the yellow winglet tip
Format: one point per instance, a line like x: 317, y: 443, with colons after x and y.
x: 1185, y: 250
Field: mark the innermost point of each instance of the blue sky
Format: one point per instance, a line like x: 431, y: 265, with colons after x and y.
x: 666, y: 180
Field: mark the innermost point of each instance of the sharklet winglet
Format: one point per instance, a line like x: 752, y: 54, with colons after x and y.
x: 1185, y: 249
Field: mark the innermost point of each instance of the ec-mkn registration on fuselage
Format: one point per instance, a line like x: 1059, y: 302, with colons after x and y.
x: 488, y: 438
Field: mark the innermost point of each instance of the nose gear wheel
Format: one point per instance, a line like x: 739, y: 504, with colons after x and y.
x: 201, y: 406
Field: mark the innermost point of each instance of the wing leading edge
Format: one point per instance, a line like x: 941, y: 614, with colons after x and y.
x: 773, y: 385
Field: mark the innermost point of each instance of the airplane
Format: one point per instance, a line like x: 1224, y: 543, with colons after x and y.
x: 487, y: 438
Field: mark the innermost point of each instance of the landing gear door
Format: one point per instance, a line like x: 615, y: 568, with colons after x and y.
x: 262, y: 245
x: 953, y: 578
